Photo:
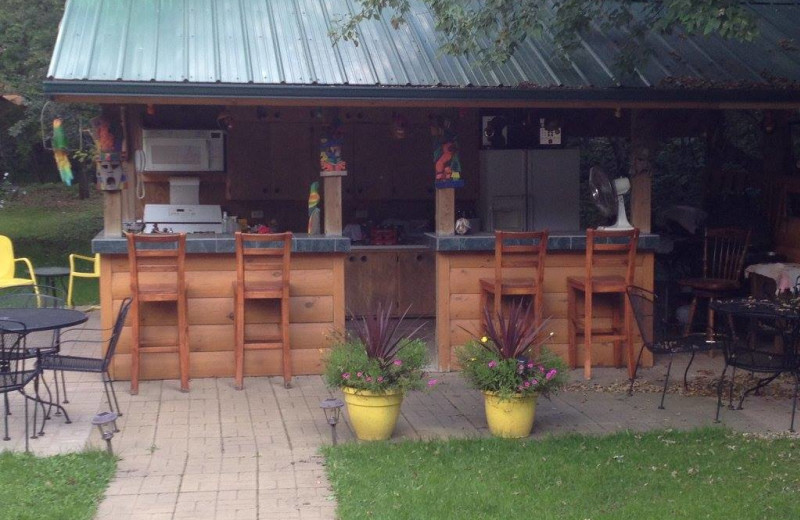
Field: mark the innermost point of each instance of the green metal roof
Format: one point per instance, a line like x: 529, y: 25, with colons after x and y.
x: 281, y: 49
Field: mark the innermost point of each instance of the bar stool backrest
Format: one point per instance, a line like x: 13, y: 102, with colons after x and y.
x: 268, y: 253
x: 157, y: 255
x: 611, y: 248
x: 116, y: 332
x: 724, y: 250
x: 520, y: 249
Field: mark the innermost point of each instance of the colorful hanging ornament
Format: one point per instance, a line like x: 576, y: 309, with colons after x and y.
x: 60, y: 152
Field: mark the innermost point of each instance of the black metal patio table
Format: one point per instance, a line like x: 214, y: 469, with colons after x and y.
x: 763, y: 339
x: 39, y: 320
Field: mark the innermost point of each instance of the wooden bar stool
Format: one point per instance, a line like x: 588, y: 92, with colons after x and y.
x: 604, y: 249
x: 262, y: 273
x: 523, y: 253
x: 157, y: 264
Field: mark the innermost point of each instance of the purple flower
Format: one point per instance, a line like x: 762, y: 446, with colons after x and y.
x: 398, y: 362
x: 527, y: 384
x: 550, y: 375
x: 346, y: 375
x: 492, y: 363
x: 530, y: 364
x: 432, y: 382
x: 534, y: 382
x: 541, y: 369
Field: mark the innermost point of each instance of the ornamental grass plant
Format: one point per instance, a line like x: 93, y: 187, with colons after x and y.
x: 511, y: 360
x: 378, y: 358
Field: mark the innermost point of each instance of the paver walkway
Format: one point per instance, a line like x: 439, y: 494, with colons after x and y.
x: 220, y: 453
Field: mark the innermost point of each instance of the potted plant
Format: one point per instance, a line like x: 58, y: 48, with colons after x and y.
x: 374, y: 369
x: 512, y: 368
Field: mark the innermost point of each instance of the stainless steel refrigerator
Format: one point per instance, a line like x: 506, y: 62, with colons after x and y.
x: 530, y: 189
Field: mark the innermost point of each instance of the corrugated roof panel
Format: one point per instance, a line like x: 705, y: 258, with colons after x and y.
x: 201, y: 59
x: 291, y: 43
x: 326, y: 64
x: 265, y: 65
x: 272, y: 43
x: 358, y: 67
x: 142, y: 42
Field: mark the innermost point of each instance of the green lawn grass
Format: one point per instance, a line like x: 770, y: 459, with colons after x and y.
x: 708, y: 473
x: 48, y: 222
x: 67, y: 487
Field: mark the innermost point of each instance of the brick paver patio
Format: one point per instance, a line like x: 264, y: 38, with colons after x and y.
x: 220, y: 453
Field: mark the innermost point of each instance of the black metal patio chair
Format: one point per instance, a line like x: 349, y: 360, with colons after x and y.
x: 16, y: 368
x: 764, y: 340
x: 89, y: 364
x: 38, y: 297
x: 643, y: 305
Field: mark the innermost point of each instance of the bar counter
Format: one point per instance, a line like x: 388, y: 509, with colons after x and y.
x: 317, y: 302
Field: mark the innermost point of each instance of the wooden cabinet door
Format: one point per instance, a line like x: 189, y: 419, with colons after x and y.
x: 373, y: 163
x: 249, y: 158
x: 370, y: 277
x: 416, y: 282
x: 413, y: 165
x: 293, y: 167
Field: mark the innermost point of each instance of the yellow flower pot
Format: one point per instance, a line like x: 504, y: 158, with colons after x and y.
x: 510, y: 418
x: 372, y: 415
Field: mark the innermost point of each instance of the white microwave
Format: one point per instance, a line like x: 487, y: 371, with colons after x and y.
x: 182, y: 151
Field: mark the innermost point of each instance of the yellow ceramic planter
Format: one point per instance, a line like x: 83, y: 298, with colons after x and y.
x: 510, y: 418
x: 373, y: 416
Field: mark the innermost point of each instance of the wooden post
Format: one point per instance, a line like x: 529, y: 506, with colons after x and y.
x: 445, y: 211
x: 112, y: 213
x: 332, y: 204
x: 644, y: 145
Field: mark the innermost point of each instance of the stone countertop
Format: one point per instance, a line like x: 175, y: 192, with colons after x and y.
x: 303, y: 243
x: 557, y: 242
x: 224, y: 243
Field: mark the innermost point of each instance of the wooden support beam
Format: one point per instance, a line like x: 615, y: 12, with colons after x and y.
x: 332, y: 206
x: 644, y: 146
x: 445, y: 211
x: 112, y: 213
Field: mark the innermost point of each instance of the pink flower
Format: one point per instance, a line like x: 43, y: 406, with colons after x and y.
x: 432, y: 382
x: 380, y: 379
x: 550, y: 375
x: 398, y: 362
x: 534, y: 381
x: 492, y: 364
x: 369, y: 379
x: 359, y: 374
x: 527, y: 384
x: 346, y: 375
x: 520, y: 388
x: 541, y: 369
x: 530, y: 364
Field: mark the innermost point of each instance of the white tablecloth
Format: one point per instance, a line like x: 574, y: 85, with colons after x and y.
x: 785, y: 275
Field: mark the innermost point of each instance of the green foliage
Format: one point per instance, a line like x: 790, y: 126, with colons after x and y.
x: 510, y: 359
x: 485, y: 370
x: 348, y: 365
x: 492, y: 30
x: 59, y: 487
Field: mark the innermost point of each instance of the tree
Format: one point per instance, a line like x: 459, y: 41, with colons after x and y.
x: 492, y: 30
x: 28, y: 30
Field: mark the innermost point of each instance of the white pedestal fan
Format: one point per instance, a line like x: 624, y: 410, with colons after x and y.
x: 609, y: 197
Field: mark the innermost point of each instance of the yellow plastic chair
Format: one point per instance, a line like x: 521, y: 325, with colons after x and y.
x: 75, y: 261
x: 8, y: 265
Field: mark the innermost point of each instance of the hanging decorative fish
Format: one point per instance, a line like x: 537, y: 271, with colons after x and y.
x: 60, y: 152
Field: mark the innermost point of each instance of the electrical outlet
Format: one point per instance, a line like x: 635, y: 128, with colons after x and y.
x: 256, y: 213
